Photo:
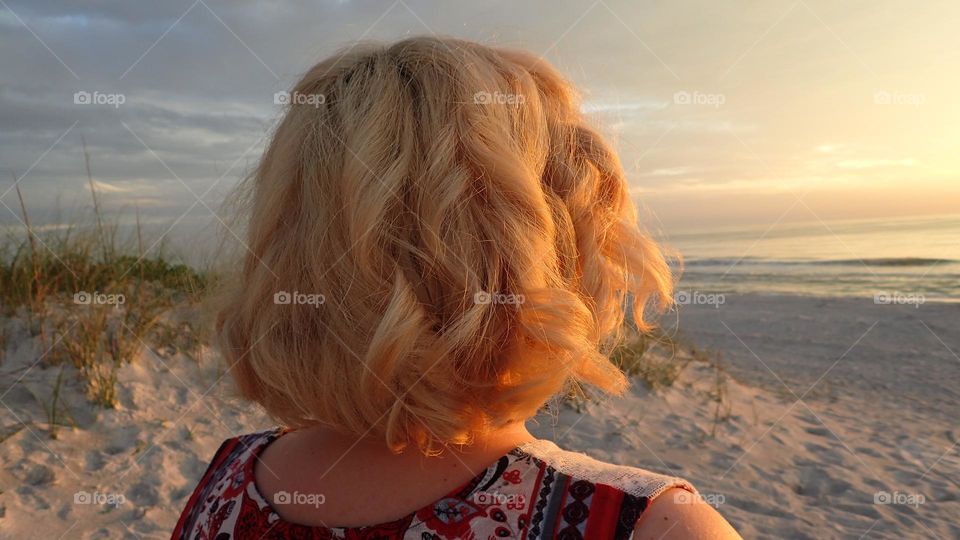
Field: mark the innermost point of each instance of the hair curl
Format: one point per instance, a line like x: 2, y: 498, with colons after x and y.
x: 472, y: 238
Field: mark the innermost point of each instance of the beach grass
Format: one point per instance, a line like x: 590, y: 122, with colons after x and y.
x: 657, y: 371
x: 92, y: 298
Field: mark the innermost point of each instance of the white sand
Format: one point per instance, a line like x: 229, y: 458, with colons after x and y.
x: 882, y: 420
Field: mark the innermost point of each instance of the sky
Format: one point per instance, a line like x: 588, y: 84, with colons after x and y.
x: 739, y: 113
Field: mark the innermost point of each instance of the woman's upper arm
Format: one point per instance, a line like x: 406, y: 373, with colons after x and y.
x: 678, y: 514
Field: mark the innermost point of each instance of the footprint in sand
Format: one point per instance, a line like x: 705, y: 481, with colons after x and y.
x: 39, y: 475
x: 179, y: 495
x: 29, y: 497
x: 143, y: 495
x: 819, y: 431
x: 868, y: 510
x: 815, y: 482
x: 99, y: 534
x: 755, y: 507
x: 93, y: 461
x: 824, y: 454
x: 867, y: 451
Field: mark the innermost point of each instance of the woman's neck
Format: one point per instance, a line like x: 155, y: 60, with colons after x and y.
x: 320, y: 460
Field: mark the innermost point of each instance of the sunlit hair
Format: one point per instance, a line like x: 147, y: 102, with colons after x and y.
x: 472, y: 238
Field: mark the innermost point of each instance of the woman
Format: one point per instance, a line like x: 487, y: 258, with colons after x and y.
x: 437, y: 245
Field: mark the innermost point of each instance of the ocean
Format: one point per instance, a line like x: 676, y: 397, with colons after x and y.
x: 896, y: 260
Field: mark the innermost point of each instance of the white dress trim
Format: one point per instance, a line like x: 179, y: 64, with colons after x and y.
x: 635, y: 481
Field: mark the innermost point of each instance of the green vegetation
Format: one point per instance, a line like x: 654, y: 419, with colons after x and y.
x: 94, y: 301
x: 657, y: 371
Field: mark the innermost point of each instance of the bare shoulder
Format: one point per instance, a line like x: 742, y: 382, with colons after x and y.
x: 678, y: 514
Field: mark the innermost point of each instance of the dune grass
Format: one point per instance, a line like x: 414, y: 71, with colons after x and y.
x: 657, y: 371
x: 657, y: 360
x: 92, y: 299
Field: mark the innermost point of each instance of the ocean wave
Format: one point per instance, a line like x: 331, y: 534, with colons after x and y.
x: 890, y: 261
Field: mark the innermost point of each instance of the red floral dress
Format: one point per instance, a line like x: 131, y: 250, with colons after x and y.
x: 537, y: 491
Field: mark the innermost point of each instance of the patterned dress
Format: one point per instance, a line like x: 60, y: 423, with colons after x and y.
x: 537, y: 491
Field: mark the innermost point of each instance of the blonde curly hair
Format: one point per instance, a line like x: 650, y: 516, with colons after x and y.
x: 468, y: 241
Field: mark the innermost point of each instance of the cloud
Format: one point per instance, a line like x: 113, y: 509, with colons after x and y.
x: 198, y: 81
x: 110, y: 188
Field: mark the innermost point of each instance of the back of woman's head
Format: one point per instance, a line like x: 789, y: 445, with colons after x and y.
x: 437, y: 243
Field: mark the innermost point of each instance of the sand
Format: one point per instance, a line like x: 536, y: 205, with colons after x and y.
x: 868, y: 452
